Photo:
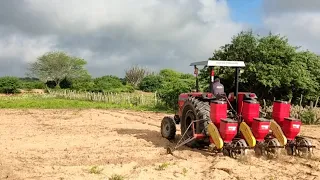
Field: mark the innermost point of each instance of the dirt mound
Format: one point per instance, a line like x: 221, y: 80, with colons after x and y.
x: 98, y: 144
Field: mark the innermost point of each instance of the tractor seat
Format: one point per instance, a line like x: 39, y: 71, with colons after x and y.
x: 221, y: 96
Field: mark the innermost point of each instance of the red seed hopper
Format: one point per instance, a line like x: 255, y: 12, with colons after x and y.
x: 296, y: 145
x: 265, y: 142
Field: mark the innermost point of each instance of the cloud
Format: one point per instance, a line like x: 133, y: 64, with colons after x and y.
x: 290, y: 6
x: 298, y: 20
x: 113, y: 35
x: 21, y: 47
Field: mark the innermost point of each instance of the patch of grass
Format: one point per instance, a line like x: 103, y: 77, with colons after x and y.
x: 184, y: 171
x: 48, y: 102
x: 162, y: 166
x: 271, y: 178
x: 95, y: 170
x: 116, y: 177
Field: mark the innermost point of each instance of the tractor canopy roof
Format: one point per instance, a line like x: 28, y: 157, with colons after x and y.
x: 212, y: 63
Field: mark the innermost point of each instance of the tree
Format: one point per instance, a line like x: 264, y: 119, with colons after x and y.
x: 169, y: 75
x: 274, y: 68
x: 135, y: 74
x: 9, y: 84
x: 57, y: 65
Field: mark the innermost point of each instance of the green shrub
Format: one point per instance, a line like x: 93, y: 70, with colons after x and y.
x: 110, y: 84
x: 107, y: 83
x: 82, y: 84
x: 170, y: 91
x: 151, y: 83
x: 123, y: 89
x: 9, y: 84
x: 28, y: 85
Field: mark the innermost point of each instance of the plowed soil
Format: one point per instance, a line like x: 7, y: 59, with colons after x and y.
x: 96, y: 144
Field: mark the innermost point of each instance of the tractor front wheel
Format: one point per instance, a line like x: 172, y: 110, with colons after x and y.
x: 168, y: 128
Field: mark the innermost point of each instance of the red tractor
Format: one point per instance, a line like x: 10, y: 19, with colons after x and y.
x: 209, y: 120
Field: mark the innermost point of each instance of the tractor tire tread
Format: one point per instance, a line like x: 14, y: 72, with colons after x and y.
x: 202, y: 111
x: 172, y: 128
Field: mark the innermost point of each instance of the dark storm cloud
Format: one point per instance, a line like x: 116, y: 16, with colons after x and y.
x: 12, y: 66
x: 16, y: 16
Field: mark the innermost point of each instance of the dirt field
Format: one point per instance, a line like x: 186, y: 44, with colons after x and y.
x: 65, y: 144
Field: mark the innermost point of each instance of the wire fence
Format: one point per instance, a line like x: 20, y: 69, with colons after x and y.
x: 111, y: 98
x: 309, y: 114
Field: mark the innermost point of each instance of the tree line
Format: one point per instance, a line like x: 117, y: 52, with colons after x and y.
x: 274, y: 70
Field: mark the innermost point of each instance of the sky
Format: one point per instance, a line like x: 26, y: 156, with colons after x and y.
x: 113, y: 35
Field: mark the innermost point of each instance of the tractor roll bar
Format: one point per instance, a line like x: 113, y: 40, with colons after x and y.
x: 212, y: 63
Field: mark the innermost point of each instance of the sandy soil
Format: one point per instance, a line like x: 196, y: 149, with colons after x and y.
x: 67, y: 144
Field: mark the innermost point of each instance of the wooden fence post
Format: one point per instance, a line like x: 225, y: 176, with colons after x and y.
x: 300, y: 105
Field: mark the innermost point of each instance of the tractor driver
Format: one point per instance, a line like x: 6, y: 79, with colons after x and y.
x: 217, y: 87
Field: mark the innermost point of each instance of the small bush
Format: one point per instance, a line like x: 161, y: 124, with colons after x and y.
x: 162, y: 166
x: 9, y: 84
x: 95, y: 170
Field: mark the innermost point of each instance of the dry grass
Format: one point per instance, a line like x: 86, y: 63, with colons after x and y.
x: 306, y: 114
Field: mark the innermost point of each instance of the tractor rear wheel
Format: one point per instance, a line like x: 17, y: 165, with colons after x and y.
x: 194, y: 109
x: 168, y: 128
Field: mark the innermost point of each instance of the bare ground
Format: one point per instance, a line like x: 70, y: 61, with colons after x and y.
x: 67, y: 144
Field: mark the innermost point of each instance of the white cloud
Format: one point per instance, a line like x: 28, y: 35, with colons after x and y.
x: 113, y: 35
x: 298, y: 20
